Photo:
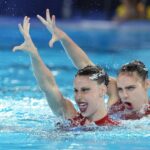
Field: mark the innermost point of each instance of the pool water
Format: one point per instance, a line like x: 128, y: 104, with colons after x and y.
x: 26, y: 121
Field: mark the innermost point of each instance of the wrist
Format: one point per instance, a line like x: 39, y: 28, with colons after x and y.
x: 63, y: 37
x: 34, y: 52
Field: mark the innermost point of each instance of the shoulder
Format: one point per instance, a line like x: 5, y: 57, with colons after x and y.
x: 116, y: 107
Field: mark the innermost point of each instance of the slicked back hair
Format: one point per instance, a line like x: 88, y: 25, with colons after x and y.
x: 135, y: 66
x: 95, y: 73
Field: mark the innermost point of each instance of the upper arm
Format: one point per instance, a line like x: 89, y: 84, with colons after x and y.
x: 112, y: 91
x: 70, y: 109
x: 59, y: 105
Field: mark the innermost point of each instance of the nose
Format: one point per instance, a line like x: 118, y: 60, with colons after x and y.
x: 124, y: 94
x: 78, y: 96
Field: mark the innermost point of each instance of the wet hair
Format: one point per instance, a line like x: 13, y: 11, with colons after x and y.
x: 135, y: 66
x: 95, y: 73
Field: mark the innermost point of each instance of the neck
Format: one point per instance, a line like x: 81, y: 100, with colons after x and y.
x: 99, y: 114
x: 145, y: 102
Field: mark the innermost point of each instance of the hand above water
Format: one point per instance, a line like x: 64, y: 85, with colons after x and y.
x: 49, y: 23
x: 28, y: 44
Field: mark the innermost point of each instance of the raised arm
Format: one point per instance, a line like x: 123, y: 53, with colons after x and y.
x: 77, y: 55
x: 45, y: 78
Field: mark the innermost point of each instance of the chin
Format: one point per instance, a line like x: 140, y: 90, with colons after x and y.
x: 137, y: 108
x: 85, y: 114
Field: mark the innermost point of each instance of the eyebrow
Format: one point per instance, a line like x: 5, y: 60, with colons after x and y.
x: 85, y: 88
x: 130, y: 86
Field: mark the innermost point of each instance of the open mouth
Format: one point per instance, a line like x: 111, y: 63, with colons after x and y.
x: 128, y: 105
x: 83, y: 106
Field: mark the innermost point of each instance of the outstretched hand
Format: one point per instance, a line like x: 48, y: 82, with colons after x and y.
x: 49, y: 22
x: 27, y: 45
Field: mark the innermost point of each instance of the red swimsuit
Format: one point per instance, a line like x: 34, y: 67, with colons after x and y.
x: 79, y: 120
x: 120, y: 107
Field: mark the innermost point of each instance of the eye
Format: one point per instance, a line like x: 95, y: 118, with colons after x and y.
x: 85, y: 89
x: 119, y: 89
x: 131, y: 88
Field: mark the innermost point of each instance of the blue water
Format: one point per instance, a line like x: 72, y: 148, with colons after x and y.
x: 26, y: 121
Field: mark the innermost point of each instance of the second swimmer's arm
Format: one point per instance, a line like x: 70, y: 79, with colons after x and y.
x: 112, y: 92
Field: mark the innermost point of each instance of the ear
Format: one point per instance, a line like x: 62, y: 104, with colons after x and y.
x: 103, y: 89
x: 147, y: 84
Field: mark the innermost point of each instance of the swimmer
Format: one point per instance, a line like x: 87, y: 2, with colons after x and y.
x: 133, y: 84
x: 89, y: 88
x: 138, y: 85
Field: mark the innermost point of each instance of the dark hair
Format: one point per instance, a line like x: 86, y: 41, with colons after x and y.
x: 135, y: 66
x: 95, y: 73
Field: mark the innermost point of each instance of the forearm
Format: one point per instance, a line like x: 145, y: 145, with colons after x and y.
x: 47, y: 84
x: 42, y: 74
x: 77, y: 55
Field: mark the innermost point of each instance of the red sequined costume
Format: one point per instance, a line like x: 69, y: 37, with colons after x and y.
x: 80, y: 120
x: 128, y: 113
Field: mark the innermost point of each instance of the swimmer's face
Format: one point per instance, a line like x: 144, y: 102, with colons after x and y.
x: 132, y: 89
x: 89, y: 96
